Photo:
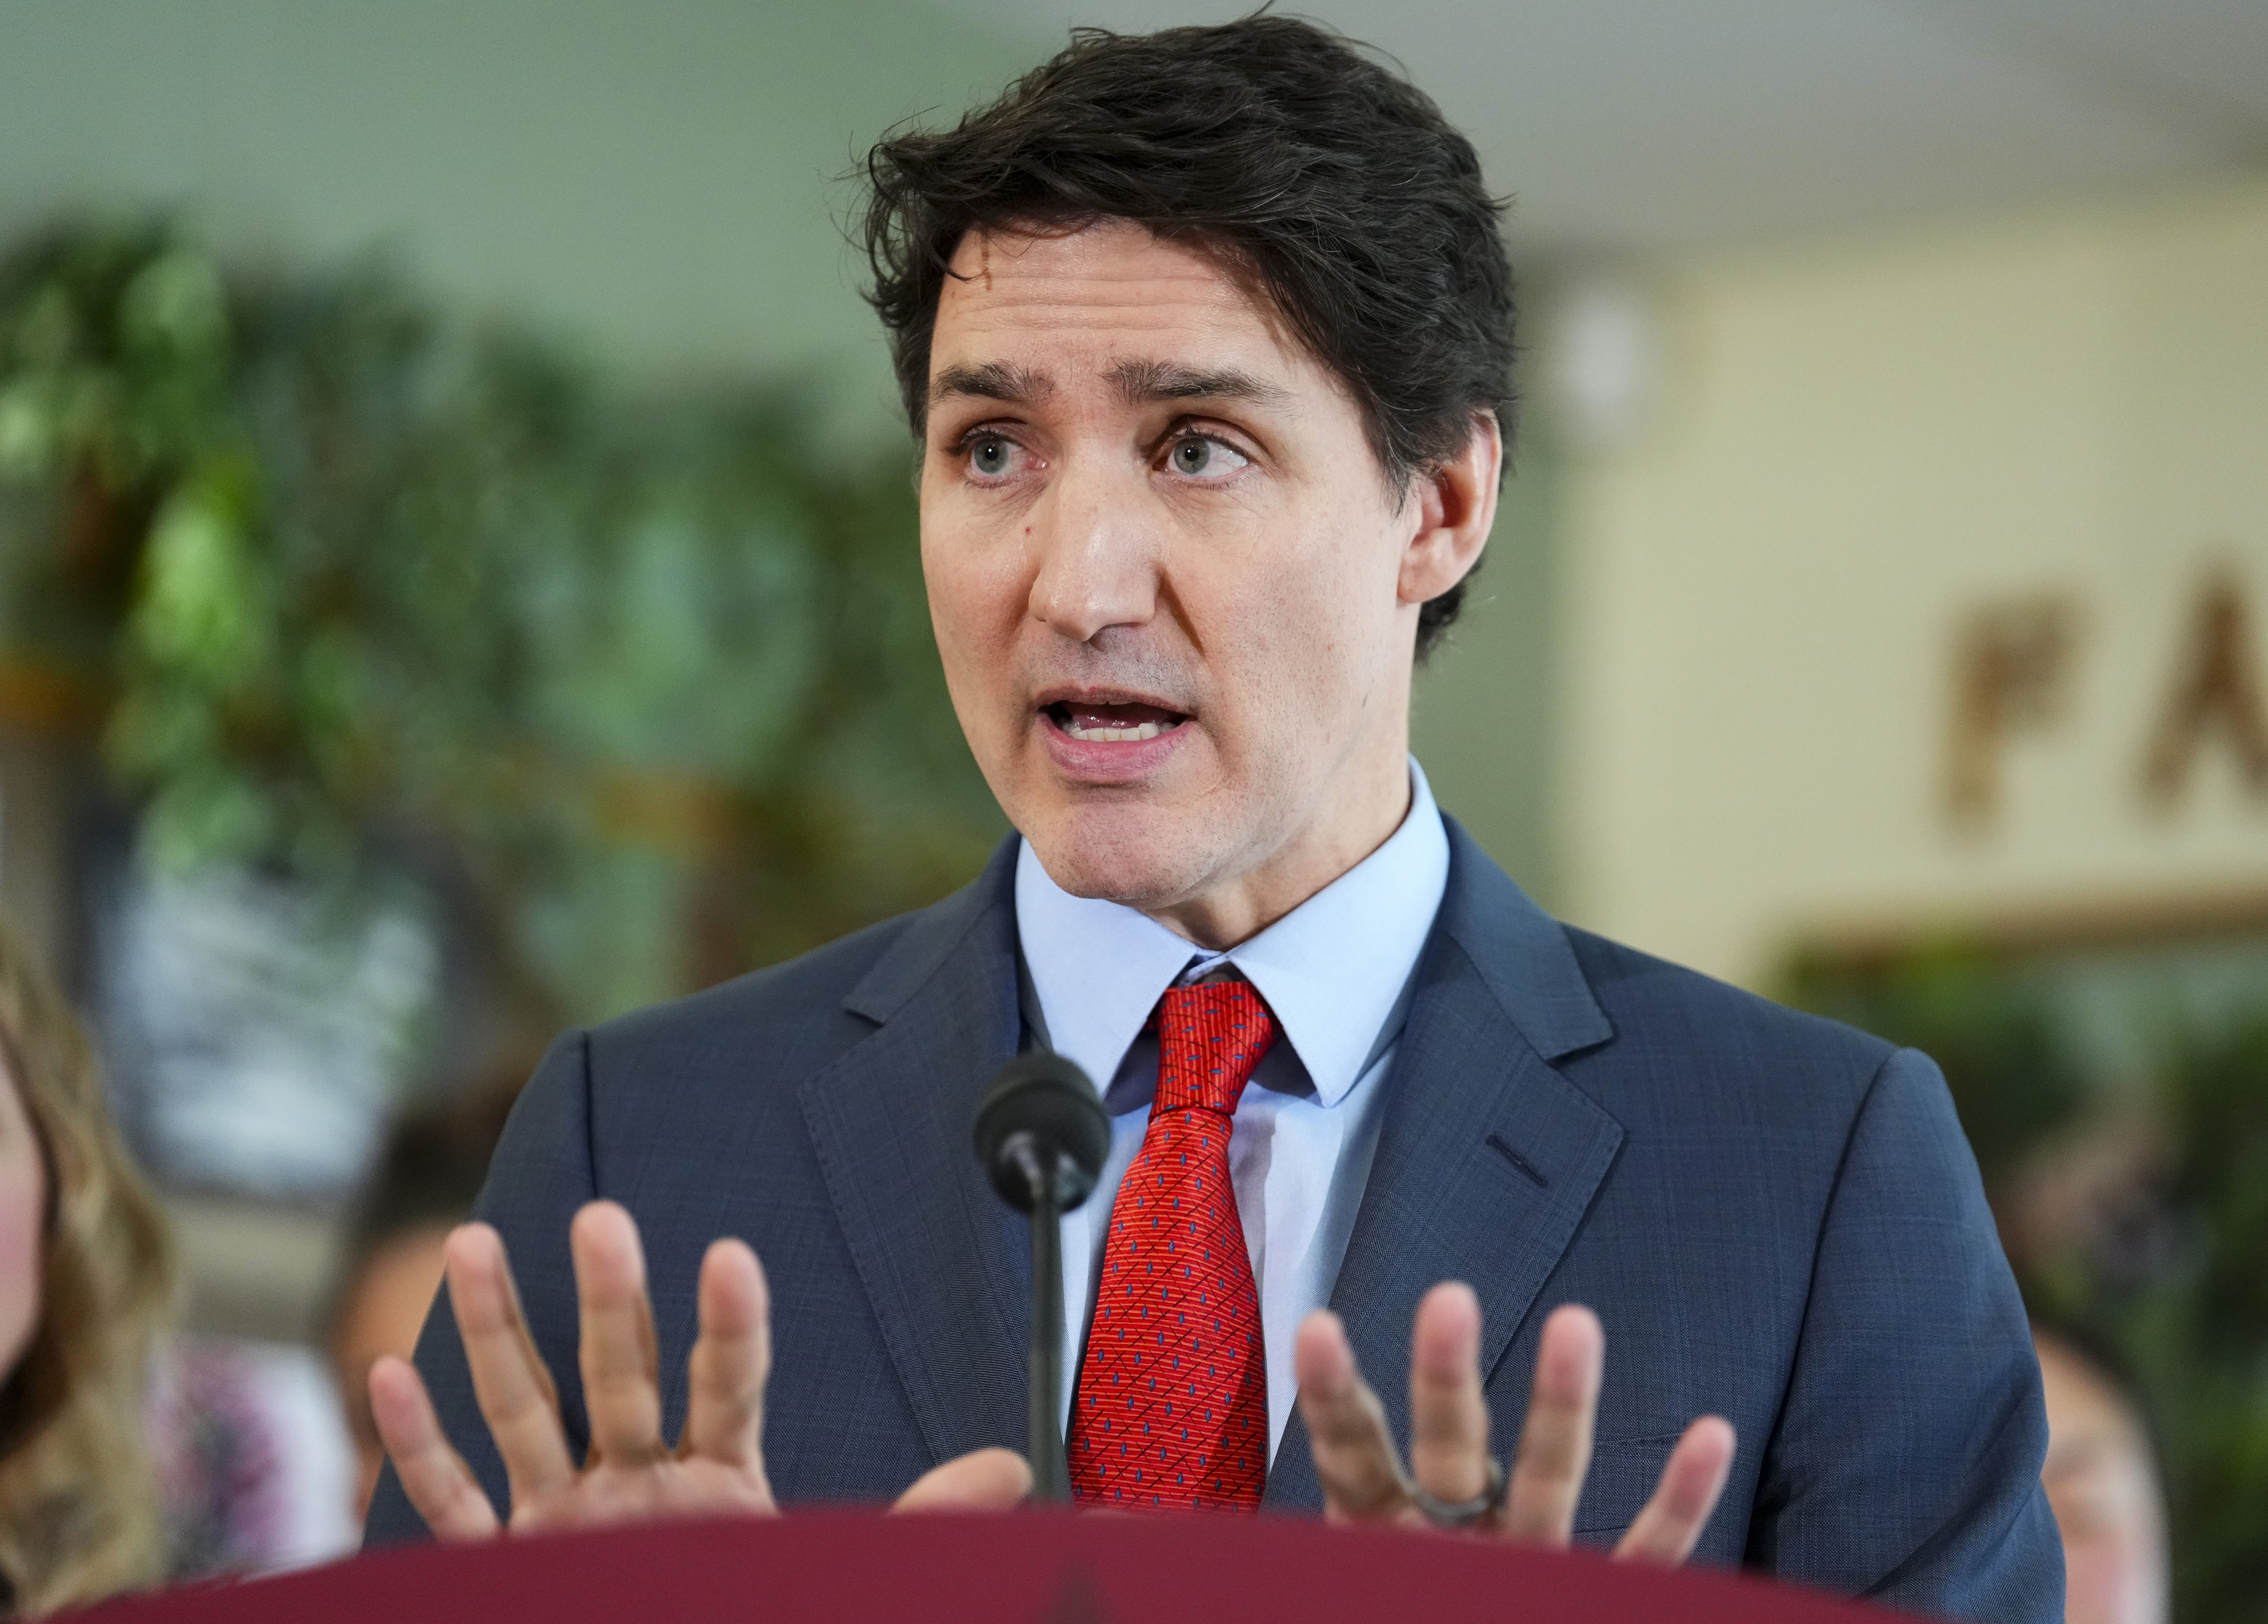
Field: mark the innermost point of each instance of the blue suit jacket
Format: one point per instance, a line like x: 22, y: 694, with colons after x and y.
x: 1777, y: 1218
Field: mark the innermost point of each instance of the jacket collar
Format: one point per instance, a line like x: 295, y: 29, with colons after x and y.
x: 1487, y: 1158
x: 977, y: 914
x: 1332, y: 971
x: 1520, y: 954
x: 944, y: 1265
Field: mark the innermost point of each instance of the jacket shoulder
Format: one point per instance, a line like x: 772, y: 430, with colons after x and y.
x: 1713, y: 1034
x: 777, y: 1010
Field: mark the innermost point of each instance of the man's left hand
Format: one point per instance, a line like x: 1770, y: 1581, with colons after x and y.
x: 1362, y: 1475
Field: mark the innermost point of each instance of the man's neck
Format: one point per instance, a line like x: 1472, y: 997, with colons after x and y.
x: 1350, y: 828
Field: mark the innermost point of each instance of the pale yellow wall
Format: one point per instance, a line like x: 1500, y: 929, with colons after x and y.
x: 1855, y: 442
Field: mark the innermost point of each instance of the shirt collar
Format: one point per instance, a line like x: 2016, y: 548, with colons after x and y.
x: 1332, y: 970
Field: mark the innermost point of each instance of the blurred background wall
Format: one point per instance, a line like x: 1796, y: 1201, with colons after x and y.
x: 1878, y: 616
x: 1888, y: 608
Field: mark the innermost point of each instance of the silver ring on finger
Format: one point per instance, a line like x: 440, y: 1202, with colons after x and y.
x: 1464, y: 1513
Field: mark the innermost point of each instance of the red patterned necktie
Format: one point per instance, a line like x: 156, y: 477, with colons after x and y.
x: 1172, y: 1408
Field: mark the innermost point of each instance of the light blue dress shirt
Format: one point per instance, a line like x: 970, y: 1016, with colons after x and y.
x: 1336, y: 971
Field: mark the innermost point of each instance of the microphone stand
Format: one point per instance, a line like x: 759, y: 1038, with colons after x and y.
x: 1044, y: 1422
x: 1041, y: 1138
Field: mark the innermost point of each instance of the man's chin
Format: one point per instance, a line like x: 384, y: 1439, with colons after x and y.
x: 1128, y: 855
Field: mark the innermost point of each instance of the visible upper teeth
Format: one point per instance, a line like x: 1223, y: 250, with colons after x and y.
x: 1115, y: 735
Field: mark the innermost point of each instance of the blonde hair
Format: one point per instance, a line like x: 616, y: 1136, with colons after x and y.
x: 79, y: 1517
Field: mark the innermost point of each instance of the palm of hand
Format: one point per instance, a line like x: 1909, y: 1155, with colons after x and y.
x: 718, y: 1467
x: 1361, y: 1472
x: 630, y: 1474
x: 614, y: 1493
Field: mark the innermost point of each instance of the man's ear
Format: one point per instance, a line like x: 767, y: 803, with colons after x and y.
x: 1455, y: 503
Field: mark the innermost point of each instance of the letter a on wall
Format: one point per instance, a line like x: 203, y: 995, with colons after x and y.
x: 2216, y: 698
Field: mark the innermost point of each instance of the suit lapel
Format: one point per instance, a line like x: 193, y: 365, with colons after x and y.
x: 943, y: 1263
x: 1487, y: 1158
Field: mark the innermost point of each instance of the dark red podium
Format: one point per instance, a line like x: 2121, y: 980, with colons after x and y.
x: 1034, y: 1569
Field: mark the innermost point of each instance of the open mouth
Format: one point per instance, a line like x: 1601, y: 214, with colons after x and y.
x: 1128, y: 723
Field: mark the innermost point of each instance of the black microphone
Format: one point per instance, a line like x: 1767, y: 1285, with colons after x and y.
x: 1042, y: 1136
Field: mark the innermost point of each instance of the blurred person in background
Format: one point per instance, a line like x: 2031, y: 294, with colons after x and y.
x: 2101, y: 1481
x: 128, y: 1456
x: 84, y: 1274
x: 423, y: 1187
x: 252, y: 1457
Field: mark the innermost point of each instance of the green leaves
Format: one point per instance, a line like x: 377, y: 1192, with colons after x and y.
x: 205, y: 608
x: 345, y: 577
x: 115, y: 350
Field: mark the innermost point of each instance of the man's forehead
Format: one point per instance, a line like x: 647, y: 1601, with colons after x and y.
x: 1116, y: 261
x: 1027, y: 313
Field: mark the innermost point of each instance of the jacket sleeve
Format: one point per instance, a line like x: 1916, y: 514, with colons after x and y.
x: 540, y: 1175
x: 1904, y: 1466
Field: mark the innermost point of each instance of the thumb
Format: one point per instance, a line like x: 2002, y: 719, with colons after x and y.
x: 994, y: 1479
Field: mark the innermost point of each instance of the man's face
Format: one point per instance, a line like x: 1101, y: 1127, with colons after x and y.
x: 1172, y: 587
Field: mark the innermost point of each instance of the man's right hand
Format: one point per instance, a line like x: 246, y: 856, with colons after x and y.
x: 629, y: 1472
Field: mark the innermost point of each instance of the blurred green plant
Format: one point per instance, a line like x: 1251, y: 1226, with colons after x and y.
x: 2014, y: 1079
x: 2168, y: 1277
x: 2195, y: 1333
x: 333, y: 578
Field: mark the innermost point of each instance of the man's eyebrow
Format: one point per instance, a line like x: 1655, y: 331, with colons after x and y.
x: 1141, y: 382
x: 1015, y: 385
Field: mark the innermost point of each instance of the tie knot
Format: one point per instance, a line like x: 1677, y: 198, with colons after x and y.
x: 1210, y: 1039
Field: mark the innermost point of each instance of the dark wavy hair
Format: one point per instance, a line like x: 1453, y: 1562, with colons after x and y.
x: 1330, y: 182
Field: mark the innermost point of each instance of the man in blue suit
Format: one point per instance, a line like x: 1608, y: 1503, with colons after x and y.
x: 1207, y: 339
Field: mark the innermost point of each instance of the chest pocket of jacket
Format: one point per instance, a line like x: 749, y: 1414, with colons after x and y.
x: 1624, y: 1472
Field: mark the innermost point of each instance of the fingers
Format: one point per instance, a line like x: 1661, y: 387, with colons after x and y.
x: 731, y: 1362
x: 1555, y: 1443
x: 434, y: 1475
x: 1668, y: 1529
x: 1449, y: 1419
x: 1346, y: 1426
x: 987, y: 1480
x: 621, y: 1372
x: 515, y: 1392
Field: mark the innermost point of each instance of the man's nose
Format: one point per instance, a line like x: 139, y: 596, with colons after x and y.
x: 1098, y: 555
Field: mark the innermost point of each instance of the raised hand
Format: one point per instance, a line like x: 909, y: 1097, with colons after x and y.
x: 718, y: 1467
x: 1362, y: 1476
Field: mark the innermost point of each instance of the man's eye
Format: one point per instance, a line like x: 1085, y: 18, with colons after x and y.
x: 1199, y: 458
x: 989, y: 455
